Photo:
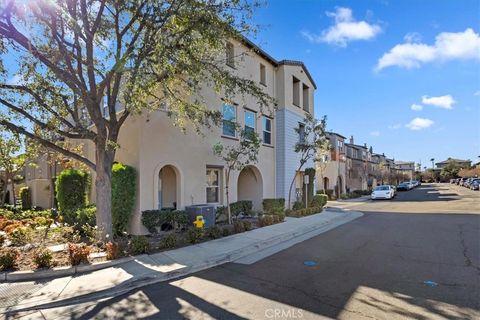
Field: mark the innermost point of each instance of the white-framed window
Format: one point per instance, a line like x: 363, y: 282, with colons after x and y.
x: 267, y: 130
x: 229, y: 120
x: 301, y: 132
x: 213, y: 185
x: 230, y: 54
x: 250, y: 118
x: 340, y: 145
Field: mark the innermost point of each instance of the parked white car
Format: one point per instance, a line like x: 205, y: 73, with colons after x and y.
x: 383, y: 192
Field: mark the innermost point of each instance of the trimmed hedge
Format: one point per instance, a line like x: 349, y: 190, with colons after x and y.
x: 26, y: 196
x: 303, y: 212
x: 153, y: 219
x: 243, y: 206
x: 124, y: 180
x: 319, y: 200
x: 71, y: 187
x: 272, y: 205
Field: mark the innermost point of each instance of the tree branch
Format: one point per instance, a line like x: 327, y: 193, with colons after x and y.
x: 47, y: 144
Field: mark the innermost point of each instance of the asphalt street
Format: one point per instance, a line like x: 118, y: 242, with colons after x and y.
x: 414, y: 257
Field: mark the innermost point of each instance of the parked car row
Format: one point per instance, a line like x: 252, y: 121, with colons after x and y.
x: 408, y: 185
x: 472, y: 183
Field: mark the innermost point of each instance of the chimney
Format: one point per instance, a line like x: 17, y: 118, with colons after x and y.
x: 365, y: 145
x: 351, y: 140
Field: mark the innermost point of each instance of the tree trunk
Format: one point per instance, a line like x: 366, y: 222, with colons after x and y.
x: 14, y: 197
x: 290, y: 190
x: 103, y: 194
x: 229, y: 214
x: 51, y: 185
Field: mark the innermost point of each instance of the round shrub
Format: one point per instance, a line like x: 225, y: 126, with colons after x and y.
x: 78, y: 253
x: 238, y: 227
x: 71, y: 188
x: 225, y: 232
x: 123, y: 196
x: 114, y: 250
x: 8, y: 258
x: 169, y: 241
x: 139, y: 245
x: 247, y: 225
x: 194, y: 235
x: 214, y: 232
x: 86, y: 216
x: 20, y: 236
x: 43, y: 258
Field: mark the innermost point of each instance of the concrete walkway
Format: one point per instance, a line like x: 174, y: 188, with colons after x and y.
x: 147, y: 269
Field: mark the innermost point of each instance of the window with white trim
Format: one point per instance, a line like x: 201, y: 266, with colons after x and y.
x: 249, y: 123
x: 213, y: 185
x: 229, y: 120
x: 267, y: 130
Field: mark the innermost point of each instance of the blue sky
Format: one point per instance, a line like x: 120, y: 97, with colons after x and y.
x: 436, y: 66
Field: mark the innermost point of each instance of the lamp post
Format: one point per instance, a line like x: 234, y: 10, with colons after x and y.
x: 433, y: 160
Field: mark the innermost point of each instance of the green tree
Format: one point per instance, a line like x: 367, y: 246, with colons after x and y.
x: 450, y: 171
x: 236, y: 157
x: 12, y: 160
x: 312, y: 145
x: 87, y: 66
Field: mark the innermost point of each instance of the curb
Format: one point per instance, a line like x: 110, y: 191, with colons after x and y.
x: 30, y: 275
x: 155, y: 277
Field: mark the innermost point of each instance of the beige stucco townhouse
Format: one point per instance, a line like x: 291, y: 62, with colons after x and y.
x: 177, y: 169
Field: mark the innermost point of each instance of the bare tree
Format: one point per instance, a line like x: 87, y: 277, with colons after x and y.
x: 312, y: 144
x: 237, y: 157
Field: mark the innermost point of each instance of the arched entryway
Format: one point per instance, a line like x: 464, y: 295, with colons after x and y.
x: 168, y: 187
x: 326, y: 183
x: 250, y: 187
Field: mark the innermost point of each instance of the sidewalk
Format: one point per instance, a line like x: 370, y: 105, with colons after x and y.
x: 167, y: 265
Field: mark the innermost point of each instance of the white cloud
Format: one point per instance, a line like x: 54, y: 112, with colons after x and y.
x: 395, y: 126
x: 416, y: 107
x: 419, y: 124
x: 412, y: 37
x: 448, y: 46
x: 444, y: 102
x: 375, y: 133
x: 345, y: 29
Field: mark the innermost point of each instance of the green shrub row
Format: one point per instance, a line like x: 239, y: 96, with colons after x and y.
x: 154, y: 219
x: 273, y: 206
x: 241, y: 207
x: 26, y: 214
x: 319, y: 200
x: 303, y: 212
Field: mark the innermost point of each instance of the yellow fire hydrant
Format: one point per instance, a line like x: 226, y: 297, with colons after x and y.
x: 199, y: 222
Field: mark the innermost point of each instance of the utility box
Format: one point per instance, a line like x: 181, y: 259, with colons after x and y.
x: 205, y: 210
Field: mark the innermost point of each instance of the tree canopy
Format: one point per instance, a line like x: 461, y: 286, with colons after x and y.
x: 84, y: 66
